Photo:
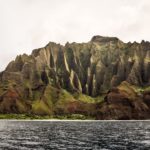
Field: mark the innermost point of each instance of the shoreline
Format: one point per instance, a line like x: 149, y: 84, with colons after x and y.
x: 69, y: 120
x: 65, y: 118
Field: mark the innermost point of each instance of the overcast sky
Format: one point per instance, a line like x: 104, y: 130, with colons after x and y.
x: 29, y: 24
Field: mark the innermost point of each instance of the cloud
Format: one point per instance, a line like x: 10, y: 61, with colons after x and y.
x: 29, y: 24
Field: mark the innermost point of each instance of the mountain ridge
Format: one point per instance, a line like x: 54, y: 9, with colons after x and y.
x: 97, y: 68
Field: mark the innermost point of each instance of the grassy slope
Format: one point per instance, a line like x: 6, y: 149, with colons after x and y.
x: 54, y: 99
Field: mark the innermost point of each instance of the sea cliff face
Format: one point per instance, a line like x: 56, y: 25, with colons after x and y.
x: 104, y: 78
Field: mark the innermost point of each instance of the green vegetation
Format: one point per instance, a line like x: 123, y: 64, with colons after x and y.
x: 39, y: 107
x: 23, y: 116
x: 139, y: 89
x: 88, y: 99
x: 75, y: 117
x: 84, y: 98
x: 128, y: 89
x: 65, y: 97
x: 44, y: 117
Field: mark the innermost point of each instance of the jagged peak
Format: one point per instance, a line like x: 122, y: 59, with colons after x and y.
x: 36, y: 52
x: 53, y: 44
x: 104, y: 39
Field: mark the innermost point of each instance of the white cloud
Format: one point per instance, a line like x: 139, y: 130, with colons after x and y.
x: 29, y: 24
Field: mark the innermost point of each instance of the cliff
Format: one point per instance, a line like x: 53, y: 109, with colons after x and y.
x: 104, y: 78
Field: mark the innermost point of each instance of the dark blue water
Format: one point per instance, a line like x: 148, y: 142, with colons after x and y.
x: 41, y: 135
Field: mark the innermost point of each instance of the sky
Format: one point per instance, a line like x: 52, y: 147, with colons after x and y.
x: 29, y: 24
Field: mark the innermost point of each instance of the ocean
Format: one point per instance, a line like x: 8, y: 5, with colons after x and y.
x: 74, y: 135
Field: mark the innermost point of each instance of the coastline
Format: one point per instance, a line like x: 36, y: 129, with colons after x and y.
x: 65, y: 118
x: 44, y: 117
x: 58, y: 120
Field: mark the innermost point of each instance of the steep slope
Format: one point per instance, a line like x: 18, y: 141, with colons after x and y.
x: 67, y: 79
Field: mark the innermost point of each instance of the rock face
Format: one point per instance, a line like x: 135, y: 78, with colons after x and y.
x: 89, y: 69
x: 124, y: 102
